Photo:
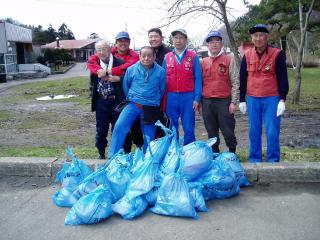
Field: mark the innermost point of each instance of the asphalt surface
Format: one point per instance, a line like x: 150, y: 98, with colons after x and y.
x: 264, y: 211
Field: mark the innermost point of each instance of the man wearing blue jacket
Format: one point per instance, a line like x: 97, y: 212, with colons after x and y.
x: 144, y: 85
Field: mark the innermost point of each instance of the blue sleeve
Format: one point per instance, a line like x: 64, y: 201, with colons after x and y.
x: 282, y: 76
x: 243, y: 79
x: 162, y: 83
x: 197, y: 79
x: 164, y: 64
x: 127, y: 82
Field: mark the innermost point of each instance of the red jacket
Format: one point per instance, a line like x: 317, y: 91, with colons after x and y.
x: 129, y: 59
x: 216, y: 77
x: 180, y: 76
x: 262, y: 79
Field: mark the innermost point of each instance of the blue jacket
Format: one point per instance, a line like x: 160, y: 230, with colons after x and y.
x: 144, y: 86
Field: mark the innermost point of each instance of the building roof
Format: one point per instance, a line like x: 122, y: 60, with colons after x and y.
x: 70, y: 44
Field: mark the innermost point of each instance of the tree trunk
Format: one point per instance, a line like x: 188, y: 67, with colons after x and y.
x: 233, y: 45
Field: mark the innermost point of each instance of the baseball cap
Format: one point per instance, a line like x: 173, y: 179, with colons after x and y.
x: 122, y: 35
x: 259, y: 28
x: 213, y: 34
x: 180, y: 30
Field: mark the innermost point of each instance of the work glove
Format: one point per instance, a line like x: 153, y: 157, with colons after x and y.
x: 281, y: 108
x: 243, y: 107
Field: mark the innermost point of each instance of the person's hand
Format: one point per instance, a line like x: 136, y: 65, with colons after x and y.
x: 243, y: 107
x: 281, y: 108
x: 200, y: 109
x: 101, y: 73
x: 232, y: 108
x: 195, y: 106
x: 114, y: 78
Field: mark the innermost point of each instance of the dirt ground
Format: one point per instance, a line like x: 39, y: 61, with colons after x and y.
x: 56, y: 123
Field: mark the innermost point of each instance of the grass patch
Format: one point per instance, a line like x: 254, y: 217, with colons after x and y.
x: 5, y: 115
x: 310, y: 89
x: 287, y: 154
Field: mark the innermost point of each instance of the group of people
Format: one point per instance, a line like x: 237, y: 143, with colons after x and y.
x: 176, y: 83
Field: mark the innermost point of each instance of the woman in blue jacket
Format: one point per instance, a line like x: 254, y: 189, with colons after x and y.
x: 144, y: 85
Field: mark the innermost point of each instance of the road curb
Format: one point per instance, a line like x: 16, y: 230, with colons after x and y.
x: 286, y: 172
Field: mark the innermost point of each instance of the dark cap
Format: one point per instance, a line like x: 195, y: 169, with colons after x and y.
x: 122, y: 35
x: 259, y: 28
x: 180, y: 30
x: 213, y: 34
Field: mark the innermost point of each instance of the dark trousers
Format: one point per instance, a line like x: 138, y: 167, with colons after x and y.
x: 216, y: 116
x: 105, y: 115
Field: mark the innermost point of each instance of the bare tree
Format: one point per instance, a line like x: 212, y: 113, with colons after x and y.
x: 179, y: 9
x: 304, y: 21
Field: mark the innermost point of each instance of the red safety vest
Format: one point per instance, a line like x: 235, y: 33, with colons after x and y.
x: 180, y: 76
x: 262, y: 79
x: 216, y: 77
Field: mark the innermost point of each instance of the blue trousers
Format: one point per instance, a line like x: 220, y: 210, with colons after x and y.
x: 264, y: 110
x: 123, y: 125
x: 180, y: 105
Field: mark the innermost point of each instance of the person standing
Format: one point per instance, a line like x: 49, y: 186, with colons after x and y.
x: 106, y: 92
x: 220, y: 92
x: 184, y: 85
x: 264, y: 86
x: 144, y: 85
x: 156, y: 42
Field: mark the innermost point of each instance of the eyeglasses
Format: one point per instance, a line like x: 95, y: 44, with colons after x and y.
x: 101, y: 49
x: 178, y: 38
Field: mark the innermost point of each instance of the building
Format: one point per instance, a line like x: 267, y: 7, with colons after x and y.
x: 80, y: 50
x: 15, y: 47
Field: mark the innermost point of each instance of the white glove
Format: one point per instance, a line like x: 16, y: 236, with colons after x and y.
x: 281, y: 108
x: 243, y: 107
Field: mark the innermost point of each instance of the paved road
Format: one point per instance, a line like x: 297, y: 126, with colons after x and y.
x: 78, y: 70
x: 271, y: 212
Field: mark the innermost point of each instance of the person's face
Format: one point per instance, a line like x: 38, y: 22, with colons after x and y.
x: 122, y: 45
x: 179, y: 41
x: 214, y: 45
x: 103, y: 52
x: 155, y: 39
x: 260, y: 39
x: 147, y: 57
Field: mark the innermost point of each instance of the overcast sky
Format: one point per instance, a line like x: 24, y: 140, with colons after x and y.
x: 107, y: 17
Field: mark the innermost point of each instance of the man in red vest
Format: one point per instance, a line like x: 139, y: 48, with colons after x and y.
x: 264, y: 85
x: 220, y: 92
x: 184, y: 84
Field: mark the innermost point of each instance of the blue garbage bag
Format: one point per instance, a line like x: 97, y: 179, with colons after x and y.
x: 170, y: 162
x: 235, y: 165
x: 130, y: 208
x: 142, y: 180
x: 159, y: 146
x: 151, y: 196
x: 196, y: 193
x: 137, y: 161
x: 91, y: 182
x: 197, y: 157
x: 174, y: 198
x: 92, y: 208
x: 219, y: 182
x: 64, y: 197
x: 118, y: 174
x: 70, y: 177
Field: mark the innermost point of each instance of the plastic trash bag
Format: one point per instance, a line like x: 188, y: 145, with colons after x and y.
x: 137, y: 161
x: 174, y: 198
x: 142, y: 181
x: 91, y: 182
x: 197, y: 157
x: 118, y: 174
x: 70, y: 177
x: 151, y: 196
x: 92, y: 208
x: 170, y: 162
x: 130, y: 209
x: 196, y: 193
x: 235, y: 165
x: 159, y: 146
x: 64, y: 197
x: 219, y: 182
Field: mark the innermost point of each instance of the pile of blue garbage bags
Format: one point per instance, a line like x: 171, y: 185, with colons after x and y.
x: 169, y: 179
